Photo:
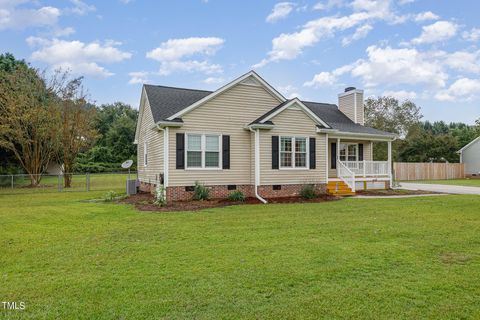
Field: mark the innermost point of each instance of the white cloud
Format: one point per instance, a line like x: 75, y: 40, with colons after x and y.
x: 289, y: 91
x: 213, y: 80
x: 401, y: 95
x: 175, y: 49
x: 328, y: 78
x: 171, y: 55
x: 76, y: 56
x: 462, y: 89
x: 425, y: 16
x: 327, y: 5
x: 464, y: 61
x: 288, y: 46
x: 360, y: 33
x: 168, y: 67
x: 403, y: 2
x: 280, y: 11
x: 81, y: 8
x: 12, y: 17
x: 399, y: 66
x: 138, y: 77
x: 321, y: 79
x: 439, y: 31
x: 472, y: 35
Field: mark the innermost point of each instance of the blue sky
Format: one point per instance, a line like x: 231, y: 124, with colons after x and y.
x: 424, y: 50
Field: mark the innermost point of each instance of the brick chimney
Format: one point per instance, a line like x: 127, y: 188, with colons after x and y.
x: 350, y: 103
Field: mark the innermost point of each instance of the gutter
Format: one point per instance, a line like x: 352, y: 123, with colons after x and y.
x: 354, y: 134
x: 257, y: 163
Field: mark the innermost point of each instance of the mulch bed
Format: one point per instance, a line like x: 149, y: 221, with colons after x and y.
x: 392, y: 192
x: 144, y: 202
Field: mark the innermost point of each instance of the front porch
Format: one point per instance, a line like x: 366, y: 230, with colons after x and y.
x: 351, y: 164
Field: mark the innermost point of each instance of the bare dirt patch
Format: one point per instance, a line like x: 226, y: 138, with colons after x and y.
x: 144, y: 202
x: 454, y: 258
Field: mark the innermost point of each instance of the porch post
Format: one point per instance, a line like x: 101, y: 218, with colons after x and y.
x: 338, y: 154
x: 390, y: 161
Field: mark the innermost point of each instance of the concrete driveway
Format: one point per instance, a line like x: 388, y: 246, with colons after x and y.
x: 440, y: 188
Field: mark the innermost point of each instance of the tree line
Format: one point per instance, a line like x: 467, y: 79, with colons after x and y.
x: 49, y: 118
x: 419, y: 141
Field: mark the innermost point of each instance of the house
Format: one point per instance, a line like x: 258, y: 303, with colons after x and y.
x: 470, y: 156
x: 247, y: 136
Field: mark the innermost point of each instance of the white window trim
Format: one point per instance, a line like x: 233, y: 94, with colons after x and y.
x: 203, y: 150
x: 293, y: 167
x: 346, y: 152
x: 145, y: 153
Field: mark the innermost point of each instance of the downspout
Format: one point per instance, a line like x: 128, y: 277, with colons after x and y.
x: 165, y: 157
x: 257, y: 163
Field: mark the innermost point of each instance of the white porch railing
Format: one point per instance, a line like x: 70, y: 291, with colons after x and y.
x: 368, y: 168
x: 346, y: 175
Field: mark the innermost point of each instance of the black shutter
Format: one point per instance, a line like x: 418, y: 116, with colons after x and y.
x: 226, y: 152
x: 274, y: 152
x: 360, y: 152
x: 333, y: 157
x: 180, y: 151
x: 312, y: 154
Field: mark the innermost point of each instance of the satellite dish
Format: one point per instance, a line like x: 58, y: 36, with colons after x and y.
x: 127, y: 164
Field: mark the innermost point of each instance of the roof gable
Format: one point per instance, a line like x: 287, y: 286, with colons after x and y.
x: 477, y: 139
x: 266, y: 118
x: 249, y: 78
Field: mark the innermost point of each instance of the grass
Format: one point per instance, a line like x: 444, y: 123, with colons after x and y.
x: 457, y: 182
x: 355, y: 258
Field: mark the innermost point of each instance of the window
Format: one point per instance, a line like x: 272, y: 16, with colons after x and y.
x: 145, y: 154
x: 293, y: 152
x: 203, y: 151
x: 348, y: 152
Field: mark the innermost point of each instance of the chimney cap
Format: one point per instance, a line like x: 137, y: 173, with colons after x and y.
x: 350, y: 89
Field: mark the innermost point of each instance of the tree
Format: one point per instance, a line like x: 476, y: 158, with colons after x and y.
x: 422, y: 144
x: 28, y: 116
x: 387, y: 114
x: 117, y: 124
x: 77, y: 121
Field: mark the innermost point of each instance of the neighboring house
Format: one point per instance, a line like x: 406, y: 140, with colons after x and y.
x: 470, y: 156
x: 246, y: 136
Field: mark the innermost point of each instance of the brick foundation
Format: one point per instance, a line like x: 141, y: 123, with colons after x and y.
x: 473, y: 176
x: 287, y: 190
x: 222, y: 192
x: 216, y: 192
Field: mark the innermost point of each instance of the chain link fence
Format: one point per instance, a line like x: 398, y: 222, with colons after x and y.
x: 25, y: 183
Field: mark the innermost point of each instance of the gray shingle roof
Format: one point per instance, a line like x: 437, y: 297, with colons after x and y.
x: 338, y: 120
x: 166, y: 101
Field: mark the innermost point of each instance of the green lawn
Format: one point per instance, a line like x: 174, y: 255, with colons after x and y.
x: 458, y: 182
x: 355, y: 258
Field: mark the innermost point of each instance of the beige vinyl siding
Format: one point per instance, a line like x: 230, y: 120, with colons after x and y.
x: 291, y: 122
x: 154, y: 138
x: 346, y: 105
x: 360, y: 109
x: 226, y: 114
x: 367, y: 153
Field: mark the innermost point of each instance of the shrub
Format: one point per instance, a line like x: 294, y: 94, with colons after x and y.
x: 308, y: 191
x: 160, y: 196
x: 200, y: 192
x: 236, y: 196
x: 111, y: 196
